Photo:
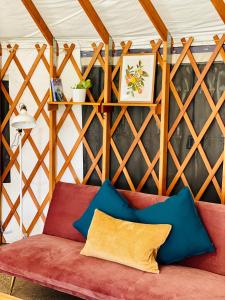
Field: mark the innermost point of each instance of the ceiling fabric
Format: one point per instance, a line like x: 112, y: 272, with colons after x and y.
x: 124, y: 19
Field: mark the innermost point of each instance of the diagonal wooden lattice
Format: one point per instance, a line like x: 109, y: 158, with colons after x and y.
x: 136, y: 134
x: 197, y: 138
x: 124, y: 113
x: 69, y: 112
x: 12, y: 57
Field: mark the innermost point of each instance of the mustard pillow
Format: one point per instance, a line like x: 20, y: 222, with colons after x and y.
x: 128, y: 243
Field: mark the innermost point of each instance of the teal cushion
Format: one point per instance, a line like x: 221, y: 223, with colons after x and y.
x: 188, y: 236
x: 110, y: 202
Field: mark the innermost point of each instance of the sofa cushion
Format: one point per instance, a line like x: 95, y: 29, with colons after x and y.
x: 111, y: 202
x: 188, y: 236
x: 56, y: 263
x: 128, y: 243
x: 69, y: 201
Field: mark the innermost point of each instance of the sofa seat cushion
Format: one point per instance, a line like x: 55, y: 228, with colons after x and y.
x: 56, y: 262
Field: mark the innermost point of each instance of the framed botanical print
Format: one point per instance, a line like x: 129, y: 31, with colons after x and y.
x: 137, y: 78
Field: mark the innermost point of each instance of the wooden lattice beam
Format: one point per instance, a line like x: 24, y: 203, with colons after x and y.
x: 52, y: 125
x: 34, y: 13
x: 220, y: 8
x: 95, y: 20
x: 155, y: 18
x: 164, y: 117
x: 107, y: 115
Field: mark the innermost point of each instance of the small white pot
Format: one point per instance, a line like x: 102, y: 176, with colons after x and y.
x: 79, y: 95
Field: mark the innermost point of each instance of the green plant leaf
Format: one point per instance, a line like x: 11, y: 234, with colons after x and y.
x: 83, y: 84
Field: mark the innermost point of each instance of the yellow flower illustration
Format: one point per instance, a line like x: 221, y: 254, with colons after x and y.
x: 135, y: 78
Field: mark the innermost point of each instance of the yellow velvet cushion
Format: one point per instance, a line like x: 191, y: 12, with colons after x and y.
x: 128, y: 243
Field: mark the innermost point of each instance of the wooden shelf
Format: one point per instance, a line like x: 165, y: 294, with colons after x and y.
x: 54, y: 105
x: 131, y: 104
x: 153, y: 106
x: 75, y: 103
x: 106, y: 107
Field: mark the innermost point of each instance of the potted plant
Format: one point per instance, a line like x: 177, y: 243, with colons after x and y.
x: 79, y: 90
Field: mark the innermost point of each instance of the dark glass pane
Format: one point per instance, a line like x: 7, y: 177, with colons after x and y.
x: 4, y: 108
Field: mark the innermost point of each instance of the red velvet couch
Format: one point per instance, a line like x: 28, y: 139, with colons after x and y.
x: 52, y: 259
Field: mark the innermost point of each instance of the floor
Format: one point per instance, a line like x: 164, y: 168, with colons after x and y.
x: 29, y: 291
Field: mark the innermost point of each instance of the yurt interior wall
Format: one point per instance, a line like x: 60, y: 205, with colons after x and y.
x: 177, y: 141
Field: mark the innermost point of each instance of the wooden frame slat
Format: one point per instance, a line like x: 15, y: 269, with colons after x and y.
x: 95, y: 20
x: 39, y: 21
x: 164, y: 117
x: 155, y: 18
x: 52, y: 125
x: 107, y: 115
x: 220, y: 8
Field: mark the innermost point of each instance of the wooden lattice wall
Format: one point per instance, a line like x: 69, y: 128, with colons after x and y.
x: 135, y: 134
x: 214, y: 116
x: 41, y: 111
x: 69, y: 58
x: 182, y: 116
x: 100, y: 111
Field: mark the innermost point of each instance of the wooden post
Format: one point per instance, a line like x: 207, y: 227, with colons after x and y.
x: 164, y: 115
x: 107, y: 115
x: 52, y: 124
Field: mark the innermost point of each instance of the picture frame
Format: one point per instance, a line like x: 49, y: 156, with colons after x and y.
x: 137, y: 78
x: 56, y: 90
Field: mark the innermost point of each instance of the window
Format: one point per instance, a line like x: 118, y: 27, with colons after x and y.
x: 4, y: 108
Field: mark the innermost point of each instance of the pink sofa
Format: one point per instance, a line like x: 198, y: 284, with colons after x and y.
x: 52, y: 259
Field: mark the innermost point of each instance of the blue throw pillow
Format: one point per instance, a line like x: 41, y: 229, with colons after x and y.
x: 188, y: 236
x: 110, y: 202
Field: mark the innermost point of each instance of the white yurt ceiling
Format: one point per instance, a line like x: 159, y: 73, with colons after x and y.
x: 124, y: 19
